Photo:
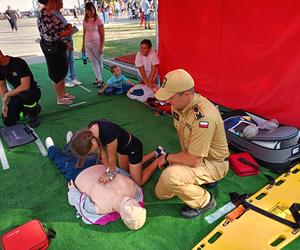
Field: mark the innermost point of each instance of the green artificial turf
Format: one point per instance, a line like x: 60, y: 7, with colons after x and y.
x: 33, y: 187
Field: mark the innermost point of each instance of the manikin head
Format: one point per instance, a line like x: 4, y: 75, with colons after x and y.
x: 132, y: 214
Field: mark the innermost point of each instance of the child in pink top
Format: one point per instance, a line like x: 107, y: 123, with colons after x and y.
x: 93, y: 40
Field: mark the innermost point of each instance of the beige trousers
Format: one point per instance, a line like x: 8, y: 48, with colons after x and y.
x: 185, y: 182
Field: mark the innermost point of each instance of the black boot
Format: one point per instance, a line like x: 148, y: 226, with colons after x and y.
x: 33, y: 115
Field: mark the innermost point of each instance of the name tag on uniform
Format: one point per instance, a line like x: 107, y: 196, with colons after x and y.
x: 203, y: 124
x: 14, y: 73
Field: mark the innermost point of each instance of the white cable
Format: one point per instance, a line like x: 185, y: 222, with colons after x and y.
x: 86, y: 89
x: 39, y: 144
x: 3, y: 157
x: 77, y: 104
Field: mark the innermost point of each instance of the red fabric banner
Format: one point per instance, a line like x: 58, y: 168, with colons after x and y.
x: 241, y: 54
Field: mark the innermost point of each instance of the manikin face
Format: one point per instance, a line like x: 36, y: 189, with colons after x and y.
x: 144, y: 49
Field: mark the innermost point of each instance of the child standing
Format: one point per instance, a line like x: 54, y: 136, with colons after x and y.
x: 93, y: 40
x: 117, y: 84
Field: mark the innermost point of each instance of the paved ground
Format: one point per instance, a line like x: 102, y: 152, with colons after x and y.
x: 23, y: 44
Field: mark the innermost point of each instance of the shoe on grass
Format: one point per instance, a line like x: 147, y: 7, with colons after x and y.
x: 96, y: 82
x: 189, y: 212
x: 49, y: 142
x: 69, y: 136
x: 76, y: 82
x: 69, y: 84
x: 99, y: 84
x: 64, y: 101
x: 211, y: 185
x: 34, y: 122
x: 69, y: 96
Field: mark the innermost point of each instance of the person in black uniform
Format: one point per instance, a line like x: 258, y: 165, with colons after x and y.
x: 12, y: 18
x: 23, y: 98
x: 110, y: 141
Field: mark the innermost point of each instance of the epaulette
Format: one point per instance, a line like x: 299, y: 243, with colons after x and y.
x: 197, y: 112
x: 175, y: 115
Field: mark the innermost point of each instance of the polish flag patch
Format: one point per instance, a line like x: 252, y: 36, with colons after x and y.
x: 203, y: 124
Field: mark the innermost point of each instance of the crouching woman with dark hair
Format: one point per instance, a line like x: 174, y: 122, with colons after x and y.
x: 110, y: 141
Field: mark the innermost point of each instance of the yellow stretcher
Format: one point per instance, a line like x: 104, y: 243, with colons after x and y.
x: 255, y: 231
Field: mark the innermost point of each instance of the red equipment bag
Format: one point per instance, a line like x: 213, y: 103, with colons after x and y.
x: 159, y: 106
x: 243, y: 164
x: 30, y: 235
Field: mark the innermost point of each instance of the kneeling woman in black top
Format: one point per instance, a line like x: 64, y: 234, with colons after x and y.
x: 109, y: 140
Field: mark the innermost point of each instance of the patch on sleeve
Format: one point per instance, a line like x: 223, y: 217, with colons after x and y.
x: 197, y: 112
x: 176, y: 116
x: 203, y: 124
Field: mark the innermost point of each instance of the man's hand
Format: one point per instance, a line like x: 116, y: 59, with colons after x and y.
x: 71, y: 184
x: 67, y: 31
x: 162, y: 161
x: 4, y: 109
x: 5, y: 98
x: 69, y: 46
x: 100, y: 92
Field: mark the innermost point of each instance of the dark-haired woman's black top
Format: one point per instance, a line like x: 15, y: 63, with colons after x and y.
x: 109, y: 131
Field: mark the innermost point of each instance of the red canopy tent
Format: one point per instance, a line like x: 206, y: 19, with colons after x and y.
x: 242, y: 54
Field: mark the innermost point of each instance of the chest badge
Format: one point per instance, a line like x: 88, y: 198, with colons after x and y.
x: 14, y: 73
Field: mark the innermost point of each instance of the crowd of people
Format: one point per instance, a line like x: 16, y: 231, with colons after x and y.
x: 204, y: 150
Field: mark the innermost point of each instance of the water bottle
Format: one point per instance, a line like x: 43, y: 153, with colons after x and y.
x: 84, y: 57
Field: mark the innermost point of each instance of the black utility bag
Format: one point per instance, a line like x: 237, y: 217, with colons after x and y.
x: 277, y: 149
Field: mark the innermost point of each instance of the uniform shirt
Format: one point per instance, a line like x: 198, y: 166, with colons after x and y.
x: 109, y: 131
x: 200, y: 130
x: 147, y: 62
x: 117, y: 82
x: 16, y: 69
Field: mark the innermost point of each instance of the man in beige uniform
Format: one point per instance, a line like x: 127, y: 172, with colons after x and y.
x: 204, y: 148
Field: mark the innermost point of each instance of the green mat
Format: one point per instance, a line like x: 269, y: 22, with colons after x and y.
x: 33, y: 188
